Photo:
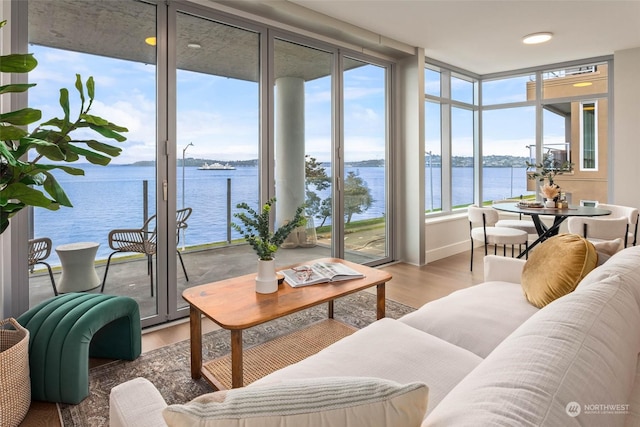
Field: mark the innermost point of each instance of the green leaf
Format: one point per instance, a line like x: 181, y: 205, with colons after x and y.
x: 17, y: 63
x: 27, y: 195
x: 91, y: 156
x: 7, y: 154
x: 11, y: 133
x: 80, y: 88
x: 104, y: 148
x: 95, y: 120
x: 54, y: 122
x: 64, y: 103
x: 49, y: 150
x: 91, y: 87
x: 54, y: 189
x: 16, y: 88
x: 108, y: 133
x: 22, y: 117
x: 68, y: 169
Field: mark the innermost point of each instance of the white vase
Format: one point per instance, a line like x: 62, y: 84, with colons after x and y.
x: 266, y: 280
x: 550, y: 203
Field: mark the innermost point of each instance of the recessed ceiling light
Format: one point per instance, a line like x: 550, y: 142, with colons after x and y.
x: 151, y: 41
x: 536, y: 38
x: 194, y: 45
x: 582, y: 84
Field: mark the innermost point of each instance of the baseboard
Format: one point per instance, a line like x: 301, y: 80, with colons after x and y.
x: 446, y: 251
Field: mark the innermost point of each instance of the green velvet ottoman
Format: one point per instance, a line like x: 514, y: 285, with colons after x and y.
x: 68, y: 329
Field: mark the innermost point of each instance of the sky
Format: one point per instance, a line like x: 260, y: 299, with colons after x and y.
x: 220, y: 116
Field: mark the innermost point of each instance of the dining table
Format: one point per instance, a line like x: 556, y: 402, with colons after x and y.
x: 559, y: 216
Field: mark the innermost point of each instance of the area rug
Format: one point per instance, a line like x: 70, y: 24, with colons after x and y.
x: 168, y: 368
x: 263, y: 359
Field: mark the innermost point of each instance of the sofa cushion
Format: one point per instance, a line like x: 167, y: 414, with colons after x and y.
x: 388, y: 349
x: 476, y: 318
x: 572, y: 354
x: 327, y: 401
x: 136, y: 403
x: 607, y: 248
x: 556, y: 267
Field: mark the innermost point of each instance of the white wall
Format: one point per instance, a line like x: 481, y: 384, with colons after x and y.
x: 626, y: 144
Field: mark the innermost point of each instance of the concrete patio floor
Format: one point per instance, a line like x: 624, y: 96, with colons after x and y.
x: 128, y: 275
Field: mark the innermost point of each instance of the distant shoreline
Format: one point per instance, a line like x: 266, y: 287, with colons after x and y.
x: 457, y: 161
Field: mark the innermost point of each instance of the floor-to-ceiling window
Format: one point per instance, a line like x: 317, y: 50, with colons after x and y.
x: 205, y: 133
x: 559, y: 114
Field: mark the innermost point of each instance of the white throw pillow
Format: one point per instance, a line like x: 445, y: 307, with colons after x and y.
x: 331, y: 401
x: 607, y: 248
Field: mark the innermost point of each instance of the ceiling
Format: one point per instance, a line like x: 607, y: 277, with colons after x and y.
x: 485, y: 36
x: 479, y: 36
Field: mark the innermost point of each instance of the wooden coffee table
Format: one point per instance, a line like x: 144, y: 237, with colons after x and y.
x: 234, y: 305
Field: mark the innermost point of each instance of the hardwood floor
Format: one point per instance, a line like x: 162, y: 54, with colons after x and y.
x: 411, y: 285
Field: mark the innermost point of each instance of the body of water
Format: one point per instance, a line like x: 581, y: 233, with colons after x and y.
x: 112, y: 197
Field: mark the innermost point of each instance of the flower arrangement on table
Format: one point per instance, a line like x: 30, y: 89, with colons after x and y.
x: 550, y: 191
x: 255, y: 228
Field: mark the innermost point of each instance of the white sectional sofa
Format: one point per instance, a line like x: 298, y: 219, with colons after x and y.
x: 488, y: 357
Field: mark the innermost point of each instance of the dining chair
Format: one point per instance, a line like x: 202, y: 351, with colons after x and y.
x: 143, y: 240
x: 482, y: 227
x: 632, y: 220
x: 39, y: 250
x: 599, y: 229
x: 519, y: 224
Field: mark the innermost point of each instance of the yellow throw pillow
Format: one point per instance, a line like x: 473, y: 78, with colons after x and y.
x: 556, y: 266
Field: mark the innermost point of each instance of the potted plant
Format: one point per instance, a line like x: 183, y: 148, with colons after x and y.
x: 25, y: 182
x: 255, y: 228
x: 548, y: 169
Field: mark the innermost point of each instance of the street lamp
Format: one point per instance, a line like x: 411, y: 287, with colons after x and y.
x: 184, y: 150
x: 431, y: 177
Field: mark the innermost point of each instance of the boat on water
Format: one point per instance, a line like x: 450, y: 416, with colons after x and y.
x: 216, y: 167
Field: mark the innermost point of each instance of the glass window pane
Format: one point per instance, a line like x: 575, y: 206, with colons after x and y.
x: 217, y: 144
x: 303, y: 141
x: 365, y: 170
x: 461, y: 90
x: 461, y: 157
x: 512, y: 89
x: 121, y: 194
x: 432, y: 82
x: 507, y: 135
x: 433, y: 157
x: 589, y: 139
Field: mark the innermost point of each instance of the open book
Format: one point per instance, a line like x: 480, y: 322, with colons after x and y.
x: 319, y: 272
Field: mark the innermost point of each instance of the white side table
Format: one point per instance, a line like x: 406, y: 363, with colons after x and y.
x: 78, y: 267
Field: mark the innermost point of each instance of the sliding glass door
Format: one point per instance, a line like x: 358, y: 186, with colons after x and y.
x: 70, y: 38
x: 217, y: 147
x: 366, y: 167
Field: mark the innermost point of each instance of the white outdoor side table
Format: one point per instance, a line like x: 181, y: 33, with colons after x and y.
x: 78, y: 267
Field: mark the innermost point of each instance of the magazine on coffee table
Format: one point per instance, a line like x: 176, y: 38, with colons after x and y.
x: 319, y: 272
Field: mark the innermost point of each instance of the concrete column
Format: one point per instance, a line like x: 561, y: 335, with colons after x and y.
x: 289, y: 147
